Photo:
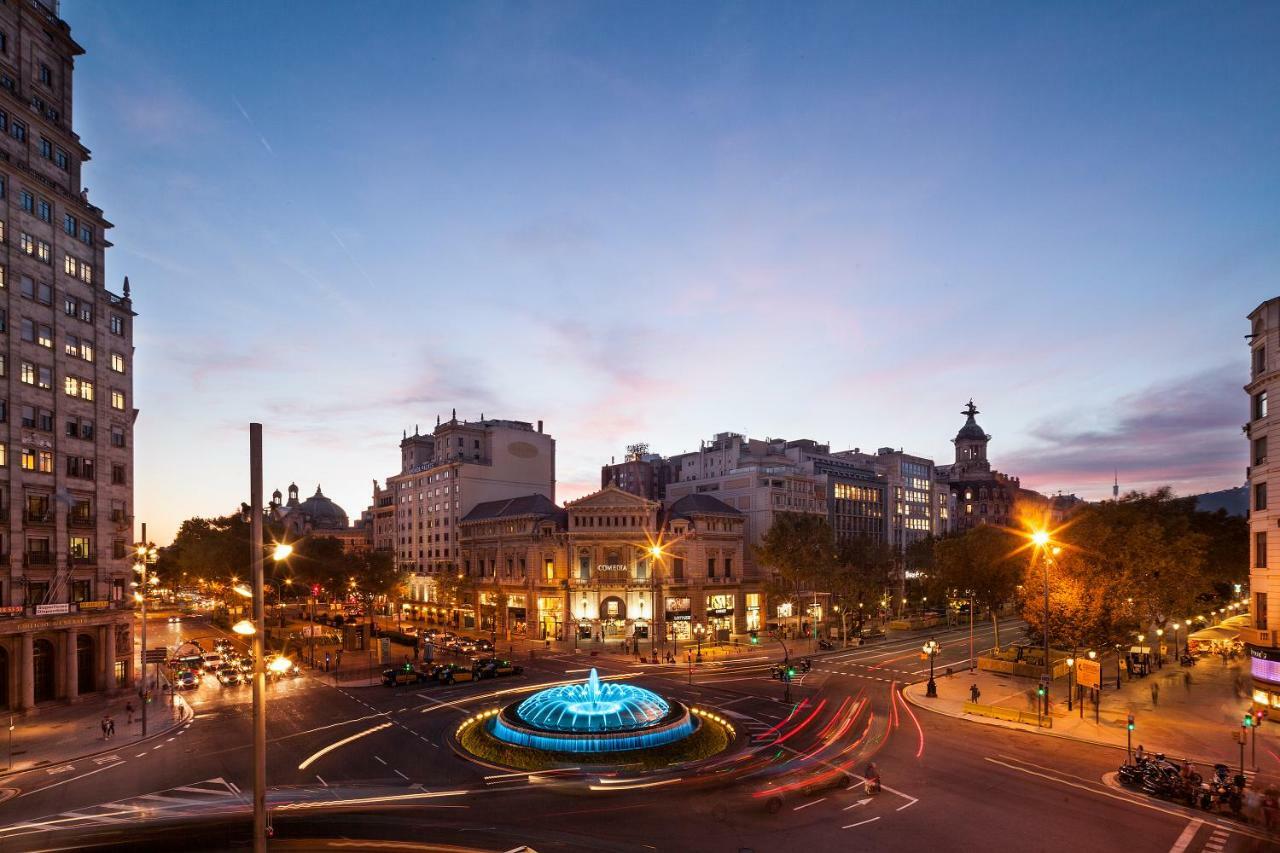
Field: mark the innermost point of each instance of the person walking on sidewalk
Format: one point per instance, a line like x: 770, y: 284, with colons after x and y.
x: 1155, y: 693
x: 104, y: 726
x: 974, y: 693
x: 111, y: 727
x: 128, y: 709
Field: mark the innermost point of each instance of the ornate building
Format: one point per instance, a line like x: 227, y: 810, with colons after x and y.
x: 981, y: 495
x: 545, y: 571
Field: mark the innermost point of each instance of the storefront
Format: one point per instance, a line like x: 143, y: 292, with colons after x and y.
x: 516, y: 615
x: 613, y: 616
x: 549, y: 613
x: 720, y: 615
x: 679, y: 614
x: 1264, y: 666
x: 753, y: 611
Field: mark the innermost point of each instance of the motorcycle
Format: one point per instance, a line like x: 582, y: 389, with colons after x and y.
x: 1187, y: 660
x: 871, y: 784
x: 805, y: 665
x: 825, y: 645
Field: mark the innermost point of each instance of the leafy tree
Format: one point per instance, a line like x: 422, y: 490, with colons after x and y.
x: 857, y: 578
x: 798, y: 552
x: 981, y: 564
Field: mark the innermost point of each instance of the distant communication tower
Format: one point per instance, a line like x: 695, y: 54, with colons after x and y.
x: 1115, y: 487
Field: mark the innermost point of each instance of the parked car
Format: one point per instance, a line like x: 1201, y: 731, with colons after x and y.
x: 400, y: 675
x: 495, y: 667
x: 452, y: 673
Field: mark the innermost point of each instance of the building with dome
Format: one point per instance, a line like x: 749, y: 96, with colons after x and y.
x: 981, y: 495
x: 316, y: 516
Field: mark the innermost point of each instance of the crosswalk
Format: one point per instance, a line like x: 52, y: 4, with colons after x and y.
x: 203, y: 795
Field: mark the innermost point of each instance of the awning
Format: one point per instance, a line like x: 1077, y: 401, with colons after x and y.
x: 1244, y: 620
x: 1217, y: 632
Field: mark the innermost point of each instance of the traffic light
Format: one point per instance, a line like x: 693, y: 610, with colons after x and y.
x: 315, y: 590
x: 1248, y: 720
x: 755, y: 638
x: 1040, y: 691
x: 1131, y: 722
x: 791, y: 673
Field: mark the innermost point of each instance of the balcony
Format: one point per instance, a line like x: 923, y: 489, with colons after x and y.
x: 37, y: 558
x: 83, y: 561
x: 77, y: 520
x: 38, y: 519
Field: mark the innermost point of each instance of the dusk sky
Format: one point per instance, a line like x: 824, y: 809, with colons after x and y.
x: 648, y: 222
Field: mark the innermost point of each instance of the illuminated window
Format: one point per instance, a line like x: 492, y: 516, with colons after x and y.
x: 68, y: 265
x: 117, y: 362
x: 117, y: 400
x: 28, y: 459
x: 46, y: 462
x: 28, y: 374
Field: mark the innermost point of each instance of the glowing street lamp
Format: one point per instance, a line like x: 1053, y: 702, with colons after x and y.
x: 1041, y: 539
x: 930, y: 648
x: 244, y: 628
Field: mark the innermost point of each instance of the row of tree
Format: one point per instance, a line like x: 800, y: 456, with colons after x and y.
x: 1115, y: 569
x: 214, y: 550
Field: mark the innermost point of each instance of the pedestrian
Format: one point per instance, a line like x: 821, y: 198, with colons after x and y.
x: 1140, y: 754
x: 111, y: 727
x: 104, y: 726
x: 1186, y: 681
x: 974, y: 693
x: 339, y: 663
x: 1155, y: 693
x: 128, y: 709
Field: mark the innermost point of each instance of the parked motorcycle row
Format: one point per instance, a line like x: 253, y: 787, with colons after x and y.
x: 1222, y: 792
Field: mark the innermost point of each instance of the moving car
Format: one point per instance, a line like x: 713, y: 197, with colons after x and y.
x: 484, y: 646
x: 212, y: 660
x: 228, y: 675
x: 173, y: 619
x: 187, y: 680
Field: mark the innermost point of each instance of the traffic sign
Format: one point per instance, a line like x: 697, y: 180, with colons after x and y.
x: 155, y: 655
x: 1089, y: 673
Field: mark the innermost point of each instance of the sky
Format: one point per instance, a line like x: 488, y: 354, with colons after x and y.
x: 655, y: 222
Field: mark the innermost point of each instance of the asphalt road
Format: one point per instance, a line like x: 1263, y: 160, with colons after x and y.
x: 377, y: 763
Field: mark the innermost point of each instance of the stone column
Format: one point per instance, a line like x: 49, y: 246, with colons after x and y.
x: 71, y: 687
x: 108, y: 641
x: 27, y: 672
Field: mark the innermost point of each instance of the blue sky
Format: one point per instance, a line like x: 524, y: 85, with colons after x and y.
x: 655, y: 222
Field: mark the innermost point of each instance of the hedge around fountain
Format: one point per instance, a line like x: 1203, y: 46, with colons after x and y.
x: 707, y: 739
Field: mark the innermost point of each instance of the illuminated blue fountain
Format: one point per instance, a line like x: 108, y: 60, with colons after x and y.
x: 593, y: 717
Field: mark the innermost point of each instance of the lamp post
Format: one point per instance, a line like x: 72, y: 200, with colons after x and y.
x: 1041, y: 540
x: 1175, y: 626
x: 145, y: 553
x: 1160, y: 647
x: 699, y: 630
x: 655, y: 551
x: 1117, y: 666
x: 1071, y: 665
x: 1097, y: 694
x: 931, y: 649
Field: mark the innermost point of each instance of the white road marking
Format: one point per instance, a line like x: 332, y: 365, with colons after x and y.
x: 861, y: 822
x: 69, y: 779
x: 855, y: 805
x: 66, y: 768
x: 380, y: 760
x: 1187, y: 836
x: 401, y: 775
x: 806, y: 805
x: 106, y: 759
x: 141, y: 755
x: 322, y: 782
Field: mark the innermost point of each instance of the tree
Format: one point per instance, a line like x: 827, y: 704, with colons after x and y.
x: 857, y: 577
x: 798, y: 550
x: 980, y: 564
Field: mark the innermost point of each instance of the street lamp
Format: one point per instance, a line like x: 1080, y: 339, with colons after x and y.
x: 1160, y: 647
x: 145, y: 553
x: 930, y: 648
x: 655, y: 551
x: 1071, y: 665
x: 1040, y: 539
x: 699, y: 630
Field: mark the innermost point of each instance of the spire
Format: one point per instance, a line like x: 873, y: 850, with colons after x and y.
x: 454, y: 417
x: 126, y: 287
x: 1115, y: 486
x: 970, y: 409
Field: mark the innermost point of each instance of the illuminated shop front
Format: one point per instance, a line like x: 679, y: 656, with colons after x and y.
x: 550, y: 611
x: 753, y: 611
x: 720, y: 615
x: 679, y: 618
x: 1264, y: 666
x: 517, y: 617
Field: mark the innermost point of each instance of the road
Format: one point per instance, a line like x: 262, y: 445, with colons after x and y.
x: 378, y: 762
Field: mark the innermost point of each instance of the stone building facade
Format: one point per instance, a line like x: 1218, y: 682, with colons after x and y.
x: 1262, y: 473
x: 588, y: 570
x: 66, y: 404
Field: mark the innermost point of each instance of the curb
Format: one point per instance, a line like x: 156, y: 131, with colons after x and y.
x: 187, y: 716
x: 1000, y: 724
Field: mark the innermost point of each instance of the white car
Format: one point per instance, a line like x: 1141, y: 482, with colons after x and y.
x: 212, y: 660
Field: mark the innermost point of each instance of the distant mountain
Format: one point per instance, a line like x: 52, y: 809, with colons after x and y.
x: 1234, y: 501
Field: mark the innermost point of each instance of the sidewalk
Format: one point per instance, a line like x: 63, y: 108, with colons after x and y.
x: 1194, y: 719
x: 59, y: 735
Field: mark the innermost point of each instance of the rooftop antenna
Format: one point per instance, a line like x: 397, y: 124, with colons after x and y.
x: 1115, y: 487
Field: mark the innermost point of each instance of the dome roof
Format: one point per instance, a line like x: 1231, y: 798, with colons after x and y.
x: 971, y: 431
x: 322, y: 513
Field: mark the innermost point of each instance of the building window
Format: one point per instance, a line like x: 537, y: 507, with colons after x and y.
x: 44, y: 378
x: 68, y: 265
x: 28, y: 459
x: 69, y: 225
x: 117, y: 324
x: 117, y: 475
x: 28, y: 373
x: 46, y: 462
x: 1260, y: 496
x: 61, y: 159
x: 117, y: 362
x: 1260, y: 611
x: 1260, y: 549
x: 1260, y: 405
x: 44, y: 252
x: 46, y: 75
x: 44, y: 336
x: 27, y: 243
x: 45, y: 211
x: 18, y: 130
x: 117, y: 400
x: 86, y: 272
x: 27, y: 201
x: 86, y: 235
x: 1259, y: 448
x: 81, y: 547
x: 46, y: 149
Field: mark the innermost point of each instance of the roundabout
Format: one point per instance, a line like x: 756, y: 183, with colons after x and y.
x: 594, y: 722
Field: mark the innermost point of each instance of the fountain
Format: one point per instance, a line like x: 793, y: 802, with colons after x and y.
x: 593, y: 716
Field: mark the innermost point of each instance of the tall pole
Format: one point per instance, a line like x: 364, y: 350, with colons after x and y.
x: 142, y: 659
x: 1047, y: 670
x: 973, y: 662
x: 259, y: 670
